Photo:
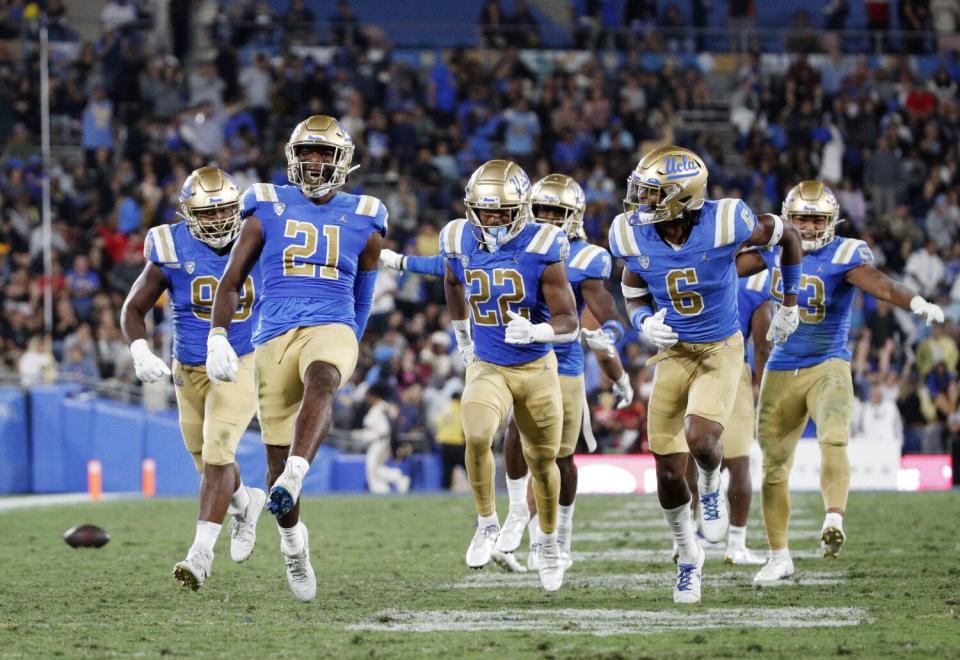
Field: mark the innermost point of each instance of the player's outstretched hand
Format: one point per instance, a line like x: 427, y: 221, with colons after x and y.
x: 466, y: 352
x: 658, y: 332
x: 623, y: 390
x: 222, y: 363
x: 928, y: 312
x: 600, y: 340
x: 148, y: 367
x: 521, y: 331
x: 390, y: 259
x: 784, y: 322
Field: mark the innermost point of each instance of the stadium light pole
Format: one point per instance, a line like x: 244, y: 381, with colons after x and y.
x: 45, y: 179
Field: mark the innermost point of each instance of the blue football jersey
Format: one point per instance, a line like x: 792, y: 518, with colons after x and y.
x: 586, y: 262
x: 696, y: 282
x: 824, y: 303
x: 508, y: 279
x: 310, y: 255
x: 193, y: 271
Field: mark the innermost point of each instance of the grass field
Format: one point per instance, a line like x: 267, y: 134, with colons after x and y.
x: 392, y: 583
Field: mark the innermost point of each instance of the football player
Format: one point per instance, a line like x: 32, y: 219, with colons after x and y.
x: 559, y: 200
x: 187, y: 259
x: 808, y: 376
x: 679, y: 251
x: 511, y: 274
x: 318, y: 250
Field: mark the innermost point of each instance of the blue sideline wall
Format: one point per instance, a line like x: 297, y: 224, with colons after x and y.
x: 48, y: 434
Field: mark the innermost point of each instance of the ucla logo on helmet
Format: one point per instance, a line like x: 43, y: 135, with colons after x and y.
x: 680, y: 165
x: 520, y: 182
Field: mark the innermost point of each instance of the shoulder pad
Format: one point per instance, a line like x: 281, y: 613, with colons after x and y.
x: 852, y: 251
x: 159, y: 247
x: 543, y: 239
x: 590, y: 257
x: 623, y: 241
x: 451, y: 237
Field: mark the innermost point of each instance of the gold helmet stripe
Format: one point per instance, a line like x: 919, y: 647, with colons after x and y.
x: 724, y: 229
x: 758, y: 281
x: 164, y: 242
x: 846, y: 250
x: 265, y: 192
x: 541, y: 242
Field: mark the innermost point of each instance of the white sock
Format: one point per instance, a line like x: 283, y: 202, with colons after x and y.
x: 533, y: 529
x: 207, y: 533
x: 833, y: 519
x: 298, y: 465
x: 780, y: 554
x: 239, y: 502
x: 737, y: 537
x: 291, y: 540
x: 517, y: 490
x: 485, y: 521
x: 546, y: 539
x: 678, y: 520
x: 708, y: 482
x: 565, y: 523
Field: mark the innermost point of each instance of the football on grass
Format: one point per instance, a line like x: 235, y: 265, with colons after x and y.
x: 86, y: 536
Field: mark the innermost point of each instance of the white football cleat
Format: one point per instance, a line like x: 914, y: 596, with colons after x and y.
x: 195, y: 569
x: 285, y: 493
x: 533, y: 558
x: 482, y: 545
x: 565, y: 557
x: 743, y: 557
x: 300, y: 575
x: 551, y: 567
x: 778, y: 570
x: 243, y: 528
x: 508, y: 561
x: 832, y: 537
x: 687, y: 589
x: 511, y: 533
x: 714, y: 519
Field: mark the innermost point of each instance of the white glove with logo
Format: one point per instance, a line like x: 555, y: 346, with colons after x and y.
x: 390, y: 259
x: 461, y: 330
x: 928, y: 312
x: 784, y: 323
x: 623, y: 391
x: 222, y: 363
x: 149, y: 367
x: 600, y: 340
x: 521, y: 331
x: 657, y: 332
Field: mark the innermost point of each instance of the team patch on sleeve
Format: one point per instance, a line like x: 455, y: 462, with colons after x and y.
x: 623, y: 241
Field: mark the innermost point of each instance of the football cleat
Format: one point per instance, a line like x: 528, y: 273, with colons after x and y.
x: 533, y: 558
x: 831, y: 540
x: 565, y: 557
x: 687, y: 590
x: 285, y: 493
x: 481, y: 546
x: 243, y: 528
x: 195, y: 569
x: 743, y: 557
x: 776, y: 571
x: 551, y: 566
x: 512, y: 531
x: 300, y: 575
x: 508, y: 562
x: 714, y: 518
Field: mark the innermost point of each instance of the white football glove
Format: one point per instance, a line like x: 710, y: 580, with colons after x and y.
x: 623, y: 391
x: 390, y: 259
x: 784, y: 323
x: 928, y: 312
x: 657, y: 332
x: 600, y: 340
x: 521, y: 331
x: 461, y: 330
x: 149, y: 367
x: 222, y: 363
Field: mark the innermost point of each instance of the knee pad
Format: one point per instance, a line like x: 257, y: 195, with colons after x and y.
x: 776, y: 472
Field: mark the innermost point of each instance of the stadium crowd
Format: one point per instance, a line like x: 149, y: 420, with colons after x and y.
x: 133, y: 112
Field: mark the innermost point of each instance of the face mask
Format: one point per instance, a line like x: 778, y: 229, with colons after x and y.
x: 494, y: 237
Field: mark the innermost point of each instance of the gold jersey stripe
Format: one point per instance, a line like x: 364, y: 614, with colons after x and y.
x: 586, y: 255
x: 368, y: 206
x: 164, y: 242
x: 541, y: 241
x: 758, y: 281
x: 845, y: 253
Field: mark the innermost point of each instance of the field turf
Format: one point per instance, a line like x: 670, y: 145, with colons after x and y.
x: 392, y: 583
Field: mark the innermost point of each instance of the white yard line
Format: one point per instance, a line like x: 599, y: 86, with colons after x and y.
x: 604, y: 622
x: 633, y: 581
x: 33, y: 501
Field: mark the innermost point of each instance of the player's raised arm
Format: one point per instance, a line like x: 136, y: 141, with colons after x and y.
x: 563, y: 326
x: 366, y: 281
x: 143, y: 295
x: 433, y: 266
x: 603, y: 340
x: 880, y: 285
x: 771, y: 230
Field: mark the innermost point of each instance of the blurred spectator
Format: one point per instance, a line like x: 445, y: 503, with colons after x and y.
x: 925, y: 270
x: 37, y: 363
x: 298, y: 23
x: 492, y: 24
x: 524, y: 28
x: 375, y: 433
x: 449, y: 436
x: 938, y: 348
x: 883, y: 176
x: 835, y: 14
x: 878, y: 419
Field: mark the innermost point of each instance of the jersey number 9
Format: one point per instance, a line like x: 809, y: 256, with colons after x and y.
x: 201, y: 297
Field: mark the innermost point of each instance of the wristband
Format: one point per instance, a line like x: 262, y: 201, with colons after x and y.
x: 791, y: 278
x: 218, y: 331
x: 640, y: 314
x: 616, y: 328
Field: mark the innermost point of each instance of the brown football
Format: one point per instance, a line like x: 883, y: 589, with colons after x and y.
x: 86, y: 536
